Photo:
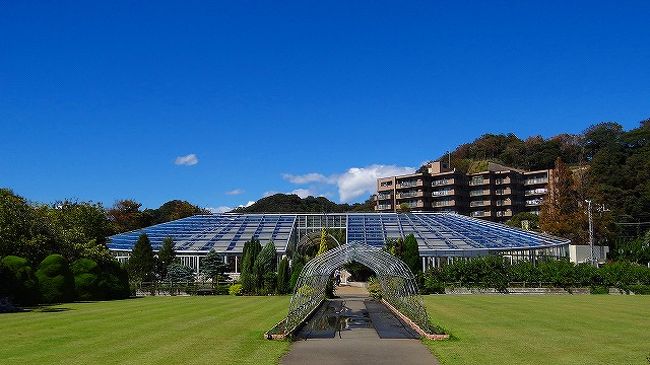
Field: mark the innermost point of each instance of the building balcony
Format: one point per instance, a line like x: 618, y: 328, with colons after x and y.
x: 481, y: 214
x: 444, y: 203
x: 539, y: 191
x: 443, y: 182
x: 480, y: 203
x: 536, y: 181
x: 503, y: 203
x: 410, y: 194
x: 479, y: 192
x: 440, y: 193
x: 384, y: 197
x: 504, y: 213
x: 534, y: 202
x: 384, y: 207
x: 478, y: 182
x: 410, y: 184
x: 506, y: 191
x: 502, y: 181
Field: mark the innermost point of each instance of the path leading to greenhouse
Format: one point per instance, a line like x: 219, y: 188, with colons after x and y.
x: 354, y: 329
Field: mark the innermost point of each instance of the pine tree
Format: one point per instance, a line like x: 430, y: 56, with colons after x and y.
x: 166, y: 255
x: 247, y: 277
x: 283, y: 276
x: 411, y: 254
x: 212, y: 267
x: 265, y: 262
x: 142, y: 263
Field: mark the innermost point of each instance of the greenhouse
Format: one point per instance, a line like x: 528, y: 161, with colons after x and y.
x: 441, y: 237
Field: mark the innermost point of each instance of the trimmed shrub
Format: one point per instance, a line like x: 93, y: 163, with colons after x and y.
x: 55, y: 280
x: 179, y: 273
x: 86, y: 279
x: 235, y: 289
x: 269, y: 282
x: 265, y: 262
x: 114, y: 281
x: 17, y: 281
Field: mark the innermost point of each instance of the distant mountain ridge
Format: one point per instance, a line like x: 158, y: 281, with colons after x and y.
x: 291, y: 203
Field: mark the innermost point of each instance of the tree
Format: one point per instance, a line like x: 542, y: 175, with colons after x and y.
x: 297, y: 264
x: 411, y: 254
x: 518, y: 220
x: 248, y: 280
x: 125, y: 216
x: 86, y: 279
x: 141, y: 264
x: 283, y: 276
x: 80, y: 229
x: 213, y: 267
x: 323, y: 242
x: 113, y: 281
x: 23, y: 232
x: 265, y: 262
x: 166, y: 255
x: 17, y: 281
x: 179, y: 273
x: 55, y: 280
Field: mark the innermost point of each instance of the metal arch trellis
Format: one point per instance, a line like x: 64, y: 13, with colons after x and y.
x: 398, y: 284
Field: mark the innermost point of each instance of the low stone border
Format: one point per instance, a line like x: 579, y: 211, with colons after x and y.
x: 407, y: 320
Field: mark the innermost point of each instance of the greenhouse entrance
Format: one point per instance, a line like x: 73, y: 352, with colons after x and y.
x: 399, y: 291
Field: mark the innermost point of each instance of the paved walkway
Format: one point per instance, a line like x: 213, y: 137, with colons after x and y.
x: 356, y: 330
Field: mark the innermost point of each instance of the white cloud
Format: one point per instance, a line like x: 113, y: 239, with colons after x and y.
x: 188, y: 160
x: 235, y: 192
x: 221, y: 209
x: 303, y: 193
x: 352, y: 184
x: 359, y: 181
x: 224, y: 209
x: 312, y: 177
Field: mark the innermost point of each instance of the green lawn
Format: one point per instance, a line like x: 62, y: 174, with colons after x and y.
x: 152, y: 330
x: 228, y: 330
x: 563, y: 329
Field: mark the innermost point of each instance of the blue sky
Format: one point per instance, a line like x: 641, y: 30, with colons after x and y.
x: 98, y: 100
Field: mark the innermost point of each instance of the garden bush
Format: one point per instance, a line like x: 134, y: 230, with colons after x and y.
x: 86, y: 279
x: 114, y: 281
x: 55, y: 279
x: 235, y: 289
x: 17, y: 281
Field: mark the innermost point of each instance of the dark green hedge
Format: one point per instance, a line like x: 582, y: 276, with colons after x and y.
x: 55, y: 279
x: 496, y: 272
x: 17, y: 281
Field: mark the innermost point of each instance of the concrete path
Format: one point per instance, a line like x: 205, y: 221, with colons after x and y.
x: 356, y: 330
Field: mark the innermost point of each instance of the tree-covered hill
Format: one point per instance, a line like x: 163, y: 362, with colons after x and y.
x: 291, y: 203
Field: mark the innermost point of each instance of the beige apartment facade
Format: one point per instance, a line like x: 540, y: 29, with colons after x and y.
x: 496, y: 194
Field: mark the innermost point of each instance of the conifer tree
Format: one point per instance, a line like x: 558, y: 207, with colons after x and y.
x: 142, y: 263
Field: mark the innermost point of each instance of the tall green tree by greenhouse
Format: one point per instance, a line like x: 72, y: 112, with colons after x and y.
x: 166, y: 255
x: 265, y: 263
x: 251, y: 249
x: 297, y: 263
x: 411, y: 255
x: 283, y: 276
x: 142, y: 263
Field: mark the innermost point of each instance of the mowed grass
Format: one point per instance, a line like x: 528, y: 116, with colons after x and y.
x: 151, y: 330
x: 563, y: 329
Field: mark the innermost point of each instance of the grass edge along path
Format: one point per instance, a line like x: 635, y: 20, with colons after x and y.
x: 541, y: 329
x: 150, y: 330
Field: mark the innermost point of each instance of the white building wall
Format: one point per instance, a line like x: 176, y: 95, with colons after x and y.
x: 579, y: 254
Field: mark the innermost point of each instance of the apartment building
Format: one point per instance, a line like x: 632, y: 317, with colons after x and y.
x: 497, y: 193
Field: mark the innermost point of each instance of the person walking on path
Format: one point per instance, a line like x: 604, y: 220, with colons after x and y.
x: 337, y: 277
